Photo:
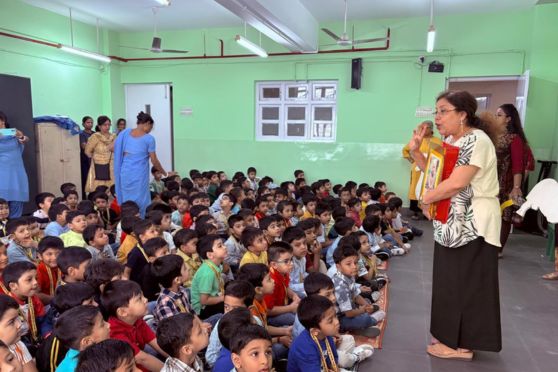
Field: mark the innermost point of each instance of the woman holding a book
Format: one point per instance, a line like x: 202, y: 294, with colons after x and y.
x: 466, y: 215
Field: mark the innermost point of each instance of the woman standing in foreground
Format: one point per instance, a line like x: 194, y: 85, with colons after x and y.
x: 465, y: 296
x: 133, y: 150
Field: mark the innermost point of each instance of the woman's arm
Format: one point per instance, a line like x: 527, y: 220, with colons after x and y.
x: 458, y: 180
x: 156, y: 163
x: 90, y: 146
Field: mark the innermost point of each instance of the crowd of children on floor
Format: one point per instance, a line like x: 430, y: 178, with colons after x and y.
x: 242, y: 273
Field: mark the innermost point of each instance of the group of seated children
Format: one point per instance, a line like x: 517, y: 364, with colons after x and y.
x: 219, y: 275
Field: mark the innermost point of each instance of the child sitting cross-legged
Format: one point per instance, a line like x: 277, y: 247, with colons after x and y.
x: 208, y: 286
x: 21, y: 246
x: 251, y: 349
x: 47, y: 270
x: 186, y: 241
x: 77, y: 329
x: 170, y: 272
x: 283, y: 302
x: 235, y: 248
x: 126, y: 307
x: 314, y: 349
x: 256, y: 245
x: 182, y: 337
x: 58, y: 225
x: 72, y: 262
x: 76, y: 223
x: 107, y: 356
x: 97, y: 242
x: 10, y: 332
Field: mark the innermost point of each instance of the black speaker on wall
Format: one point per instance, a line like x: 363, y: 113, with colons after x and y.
x: 356, y: 73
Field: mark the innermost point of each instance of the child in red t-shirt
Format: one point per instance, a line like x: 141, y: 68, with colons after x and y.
x: 48, y: 273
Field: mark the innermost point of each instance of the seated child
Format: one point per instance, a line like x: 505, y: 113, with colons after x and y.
x: 253, y: 340
x: 261, y: 207
x: 47, y: 269
x: 363, y: 194
x: 58, y: 225
x: 72, y: 262
x: 378, y: 246
x: 20, y: 278
x: 401, y: 226
x: 182, y: 337
x: 234, y: 246
x: 309, y: 201
x: 248, y: 217
x: 156, y: 185
x: 76, y: 223
x: 136, y: 259
x: 208, y: 286
x: 231, y: 323
x: 160, y: 216
x: 355, y: 312
x: 97, y: 242
x: 77, y: 329
x: 185, y: 241
x: 43, y: 201
x: 221, y: 217
x: 355, y: 207
x: 388, y: 233
x: 126, y: 307
x: 101, y: 272
x: 296, y: 237
x: 108, y: 217
x: 256, y: 246
x: 343, y: 226
x: 314, y: 349
x: 367, y: 263
x: 141, y: 269
x: 21, y: 247
x: 271, y: 228
x: 71, y: 199
x: 170, y: 272
x: 312, y: 228
x: 285, y: 210
x: 34, y: 229
x: 382, y: 187
x: 280, y: 312
x: 10, y: 332
x: 107, y: 356
x: 323, y: 213
x: 128, y: 223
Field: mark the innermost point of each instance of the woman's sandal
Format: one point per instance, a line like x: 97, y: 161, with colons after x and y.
x: 442, y: 351
x: 551, y: 276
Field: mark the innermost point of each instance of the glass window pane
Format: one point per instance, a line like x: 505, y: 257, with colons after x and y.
x: 270, y: 129
x: 295, y: 130
x: 323, y: 113
x: 270, y: 113
x: 298, y: 92
x: 323, y: 130
x: 324, y: 92
x: 271, y: 92
x: 296, y: 113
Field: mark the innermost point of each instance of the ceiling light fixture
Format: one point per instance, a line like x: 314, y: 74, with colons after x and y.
x: 84, y: 53
x: 256, y: 49
x: 431, y: 36
x: 164, y: 2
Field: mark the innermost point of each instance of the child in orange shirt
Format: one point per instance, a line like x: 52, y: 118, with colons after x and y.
x: 48, y: 273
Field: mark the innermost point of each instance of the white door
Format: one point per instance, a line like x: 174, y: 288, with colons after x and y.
x: 156, y: 100
x: 521, y: 97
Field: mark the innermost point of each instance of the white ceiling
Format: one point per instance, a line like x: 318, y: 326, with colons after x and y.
x: 136, y: 15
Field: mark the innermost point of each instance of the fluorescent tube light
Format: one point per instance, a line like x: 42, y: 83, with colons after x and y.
x: 163, y: 2
x: 431, y: 38
x: 256, y: 49
x: 85, y: 53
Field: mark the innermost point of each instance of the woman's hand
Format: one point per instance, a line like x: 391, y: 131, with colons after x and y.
x: 515, y: 193
x: 416, y: 139
x: 426, y: 210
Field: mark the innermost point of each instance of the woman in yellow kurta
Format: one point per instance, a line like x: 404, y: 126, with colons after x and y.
x: 428, y: 141
x: 99, y: 148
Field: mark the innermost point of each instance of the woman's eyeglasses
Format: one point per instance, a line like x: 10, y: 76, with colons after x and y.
x: 443, y: 112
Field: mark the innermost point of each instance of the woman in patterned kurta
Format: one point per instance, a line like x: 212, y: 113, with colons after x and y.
x: 99, y: 148
x: 465, y: 296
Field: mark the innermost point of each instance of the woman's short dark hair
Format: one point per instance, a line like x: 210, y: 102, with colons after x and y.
x: 311, y: 310
x: 75, y: 324
x: 105, y: 356
x: 144, y: 118
x: 174, y: 332
x: 231, y: 323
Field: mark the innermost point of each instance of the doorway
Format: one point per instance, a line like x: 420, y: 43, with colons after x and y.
x: 155, y: 100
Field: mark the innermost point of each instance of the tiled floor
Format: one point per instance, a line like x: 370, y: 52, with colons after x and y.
x: 529, y: 308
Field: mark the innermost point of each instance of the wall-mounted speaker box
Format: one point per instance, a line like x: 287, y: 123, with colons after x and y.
x: 356, y: 73
x: 436, y: 66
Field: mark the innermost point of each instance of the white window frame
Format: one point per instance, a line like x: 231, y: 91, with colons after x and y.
x: 284, y: 102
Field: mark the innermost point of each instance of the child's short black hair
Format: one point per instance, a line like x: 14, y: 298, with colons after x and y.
x: 362, y: 190
x: 308, y: 198
x: 248, y: 203
x: 298, y: 172
x: 3, y: 201
x: 41, y: 197
x: 242, y: 290
x: 339, y: 212
x: 72, y: 257
x: 204, y: 228
x: 90, y: 231
x: 75, y: 324
x: 308, y: 223
x: 379, y: 184
x: 101, y: 271
x: 6, y: 303
x: 231, y: 323
x: 251, y: 170
x: 245, y: 212
x: 205, y: 245
x: 371, y: 209
x: 162, y: 207
x: 322, y: 208
x: 311, y: 310
x: 282, y: 204
x: 375, y: 193
x: 249, y: 235
x: 167, y: 268
x: 343, y: 251
x: 249, y: 333
x: 167, y: 195
x: 128, y: 222
x: 267, y: 221
x: 13, y: 224
x: 234, y: 219
x: 315, y: 282
x: 352, y: 202
x: 87, y: 207
x: 74, y: 214
x: 70, y: 192
x: 105, y: 356
x: 232, y: 198
x: 71, y: 295
x: 118, y: 294
x: 183, y: 236
x: 153, y: 245
x: 15, y: 270
x: 141, y: 227
x: 197, y: 210
x: 174, y: 332
x: 129, y: 208
x: 172, y: 186
x: 253, y: 273
x: 68, y: 186
x: 276, y: 249
x: 100, y: 195
x: 394, y: 203
x: 370, y: 223
x: 344, y: 225
x: 50, y: 242
x: 293, y: 233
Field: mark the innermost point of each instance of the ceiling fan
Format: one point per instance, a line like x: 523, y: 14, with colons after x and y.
x: 156, y: 42
x: 344, y: 40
